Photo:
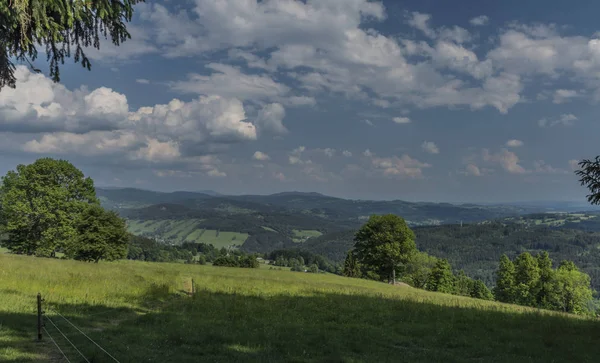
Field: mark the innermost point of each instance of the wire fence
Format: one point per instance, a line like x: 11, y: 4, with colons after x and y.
x: 42, y: 317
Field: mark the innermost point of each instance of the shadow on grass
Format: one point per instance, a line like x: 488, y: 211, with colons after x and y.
x: 219, y: 327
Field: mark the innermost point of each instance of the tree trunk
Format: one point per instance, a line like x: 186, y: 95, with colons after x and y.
x: 394, y: 275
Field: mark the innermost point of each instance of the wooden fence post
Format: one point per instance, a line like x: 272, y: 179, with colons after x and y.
x: 39, y: 316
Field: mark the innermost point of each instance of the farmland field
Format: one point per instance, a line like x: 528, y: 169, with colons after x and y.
x: 301, y: 235
x: 187, y: 230
x: 140, y: 312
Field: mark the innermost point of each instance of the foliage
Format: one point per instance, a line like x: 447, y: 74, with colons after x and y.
x: 237, y: 261
x: 40, y: 204
x: 351, y: 266
x: 441, y: 278
x: 417, y: 270
x: 101, y: 234
x: 62, y: 27
x: 590, y: 178
x: 384, y: 243
x: 532, y: 282
x: 480, y: 291
x: 505, y: 280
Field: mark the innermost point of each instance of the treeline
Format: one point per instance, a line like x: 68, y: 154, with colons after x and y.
x: 297, y: 259
x: 385, y: 247
x: 477, y: 248
x: 531, y: 281
x: 423, y: 272
x: 146, y: 249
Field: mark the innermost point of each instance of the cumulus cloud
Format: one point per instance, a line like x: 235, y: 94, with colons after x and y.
x: 229, y: 81
x: 472, y: 169
x: 328, y: 47
x: 430, y: 147
x: 479, y: 20
x: 404, y: 166
x: 346, y: 153
x: 270, y: 118
x: 368, y: 153
x: 514, y: 143
x: 508, y: 160
x: 566, y: 119
x: 564, y: 95
x: 401, y: 120
x: 258, y: 155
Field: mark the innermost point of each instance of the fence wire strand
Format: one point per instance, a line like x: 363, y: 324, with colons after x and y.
x: 85, y: 335
x: 68, y: 340
x: 57, y: 347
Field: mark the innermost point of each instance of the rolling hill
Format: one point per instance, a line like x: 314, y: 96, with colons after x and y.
x: 140, y: 312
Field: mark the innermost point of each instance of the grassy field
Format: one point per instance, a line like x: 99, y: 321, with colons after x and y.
x: 142, y: 312
x: 178, y: 231
x: 301, y: 235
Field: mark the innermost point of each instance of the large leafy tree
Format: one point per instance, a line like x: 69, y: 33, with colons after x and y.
x: 101, y: 234
x: 573, y: 286
x: 40, y: 203
x: 63, y: 27
x: 384, y: 243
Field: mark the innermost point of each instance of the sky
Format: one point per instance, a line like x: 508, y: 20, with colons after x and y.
x: 462, y: 101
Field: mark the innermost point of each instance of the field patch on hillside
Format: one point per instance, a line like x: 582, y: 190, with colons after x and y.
x: 301, y: 235
x: 142, y: 311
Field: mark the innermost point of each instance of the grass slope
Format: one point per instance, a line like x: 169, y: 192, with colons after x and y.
x: 141, y: 312
x: 179, y: 231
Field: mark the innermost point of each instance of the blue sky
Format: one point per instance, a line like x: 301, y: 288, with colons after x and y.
x: 464, y: 101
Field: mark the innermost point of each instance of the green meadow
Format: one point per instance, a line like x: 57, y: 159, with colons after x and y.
x: 301, y: 235
x: 145, y: 312
x: 186, y: 230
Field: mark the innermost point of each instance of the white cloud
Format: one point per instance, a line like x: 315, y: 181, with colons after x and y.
x: 38, y: 105
x: 142, y: 81
x: 368, y: 153
x: 368, y: 122
x: 404, y: 166
x: 479, y: 20
x: 401, y: 120
x: 229, y: 81
x: 295, y: 156
x: 564, y: 95
x: 473, y: 170
x: 329, y: 152
x: 158, y: 151
x: 258, y: 155
x: 420, y: 21
x: 540, y: 167
x: 346, y: 153
x: 430, y: 147
x: 514, y: 143
x: 216, y: 173
x: 270, y: 118
x: 508, y: 160
x: 574, y: 164
x: 565, y: 119
x: 328, y: 47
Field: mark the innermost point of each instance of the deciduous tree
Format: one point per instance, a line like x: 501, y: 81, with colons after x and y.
x: 384, y: 243
x: 101, y: 234
x: 40, y: 204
